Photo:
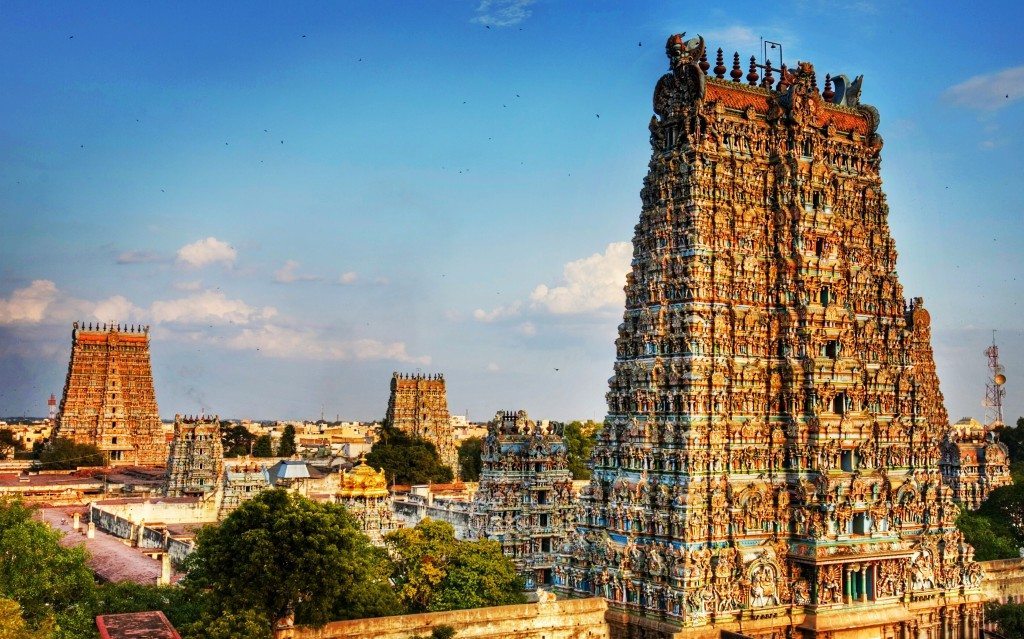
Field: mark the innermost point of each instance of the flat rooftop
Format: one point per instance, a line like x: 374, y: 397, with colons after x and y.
x: 136, y: 625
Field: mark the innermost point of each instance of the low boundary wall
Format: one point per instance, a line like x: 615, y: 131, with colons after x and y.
x: 566, y: 619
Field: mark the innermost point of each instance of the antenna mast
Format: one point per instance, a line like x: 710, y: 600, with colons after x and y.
x: 994, y: 388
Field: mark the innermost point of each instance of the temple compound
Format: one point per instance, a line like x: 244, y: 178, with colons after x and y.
x: 525, y: 500
x: 108, y: 398
x: 364, y: 493
x: 769, y: 464
x: 974, y: 462
x: 418, y: 405
x: 195, y: 465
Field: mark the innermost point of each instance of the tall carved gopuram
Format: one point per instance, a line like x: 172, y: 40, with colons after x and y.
x: 769, y: 464
x: 418, y: 405
x: 108, y: 398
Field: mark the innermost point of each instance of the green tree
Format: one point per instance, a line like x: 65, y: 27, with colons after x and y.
x: 180, y: 606
x: 580, y: 438
x: 287, y: 446
x: 65, y: 454
x: 8, y: 443
x: 470, y: 463
x: 1009, y: 616
x: 1013, y: 437
x: 52, y: 584
x: 281, y: 553
x: 237, y: 441
x: 407, y: 459
x: 247, y: 624
x: 14, y: 626
x: 263, y: 447
x: 990, y: 539
x: 434, y: 571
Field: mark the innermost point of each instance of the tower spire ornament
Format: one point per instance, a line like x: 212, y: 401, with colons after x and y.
x: 772, y: 442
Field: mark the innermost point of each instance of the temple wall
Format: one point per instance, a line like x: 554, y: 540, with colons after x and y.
x: 569, y: 619
x: 143, y: 536
x: 168, y: 512
x: 1004, y: 580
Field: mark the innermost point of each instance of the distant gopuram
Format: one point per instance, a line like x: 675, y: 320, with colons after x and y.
x: 525, y: 501
x: 769, y: 464
x: 195, y: 465
x: 419, y: 406
x: 108, y: 396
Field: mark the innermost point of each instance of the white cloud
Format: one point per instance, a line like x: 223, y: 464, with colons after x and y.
x: 493, y: 367
x: 349, y: 277
x: 736, y: 37
x: 207, y: 251
x: 138, y: 257
x: 503, y: 13
x: 528, y: 328
x: 589, y: 284
x: 28, y: 305
x: 295, y: 343
x: 500, y: 312
x: 117, y: 309
x: 990, y: 91
x: 289, y: 273
x: 208, y: 307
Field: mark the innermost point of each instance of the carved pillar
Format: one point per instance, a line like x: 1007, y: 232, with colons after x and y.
x: 864, y: 583
x: 848, y: 585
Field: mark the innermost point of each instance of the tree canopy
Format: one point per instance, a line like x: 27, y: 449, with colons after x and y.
x: 580, y: 438
x: 470, y: 463
x: 1009, y: 617
x: 434, y: 571
x: 280, y: 553
x: 286, y: 448
x: 52, y: 585
x: 237, y: 441
x: 407, y: 459
x: 996, y: 530
x: 8, y: 443
x: 65, y: 454
x: 263, y: 447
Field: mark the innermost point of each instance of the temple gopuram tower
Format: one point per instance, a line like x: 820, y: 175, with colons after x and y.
x: 418, y: 405
x: 525, y: 500
x: 109, y: 399
x: 769, y: 464
x: 195, y: 465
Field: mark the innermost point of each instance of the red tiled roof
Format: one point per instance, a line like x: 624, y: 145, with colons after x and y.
x: 736, y: 98
x: 136, y: 625
x: 740, y: 97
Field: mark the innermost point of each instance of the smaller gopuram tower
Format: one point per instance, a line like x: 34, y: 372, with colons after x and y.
x: 364, y: 493
x: 525, y: 500
x: 974, y: 462
x: 419, y: 406
x: 108, y: 399
x: 195, y: 465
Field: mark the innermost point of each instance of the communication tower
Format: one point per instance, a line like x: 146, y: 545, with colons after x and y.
x: 994, y: 388
x: 52, y: 405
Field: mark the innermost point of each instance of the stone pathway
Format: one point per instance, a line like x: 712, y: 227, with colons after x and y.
x: 109, y: 557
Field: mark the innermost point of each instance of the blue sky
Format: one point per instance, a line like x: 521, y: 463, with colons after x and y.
x: 301, y: 198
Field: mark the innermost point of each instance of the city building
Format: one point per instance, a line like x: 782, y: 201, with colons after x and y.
x: 108, y: 398
x: 418, y: 405
x: 364, y: 493
x: 974, y: 462
x: 769, y: 464
x: 525, y: 500
x: 196, y: 462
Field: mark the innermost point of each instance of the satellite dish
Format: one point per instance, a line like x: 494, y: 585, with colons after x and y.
x: 1000, y: 379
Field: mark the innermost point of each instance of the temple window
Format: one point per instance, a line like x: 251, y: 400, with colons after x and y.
x: 832, y: 349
